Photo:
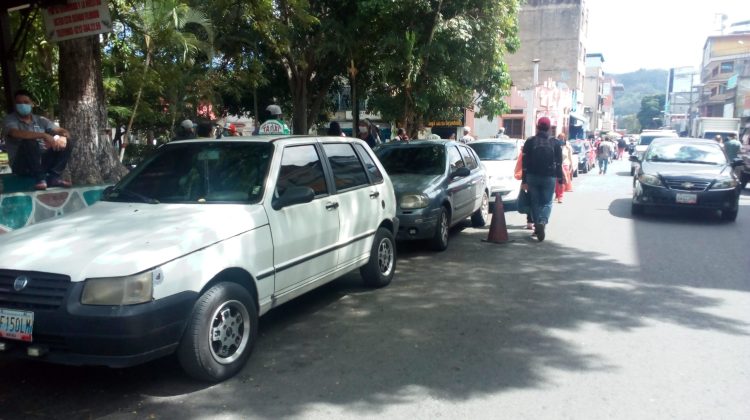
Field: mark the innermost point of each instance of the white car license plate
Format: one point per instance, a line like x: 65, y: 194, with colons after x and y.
x: 686, y: 198
x: 16, y: 325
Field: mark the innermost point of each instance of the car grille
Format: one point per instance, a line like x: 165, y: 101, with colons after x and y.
x: 42, y: 291
x: 687, y: 185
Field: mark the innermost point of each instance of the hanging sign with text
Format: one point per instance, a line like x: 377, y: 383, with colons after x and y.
x: 77, y: 19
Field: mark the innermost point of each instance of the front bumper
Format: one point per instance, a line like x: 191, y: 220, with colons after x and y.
x: 417, y: 224
x: 114, y: 336
x: 508, y: 194
x: 651, y: 196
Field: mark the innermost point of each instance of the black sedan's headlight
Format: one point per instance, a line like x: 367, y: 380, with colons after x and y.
x: 725, y: 184
x: 651, y: 180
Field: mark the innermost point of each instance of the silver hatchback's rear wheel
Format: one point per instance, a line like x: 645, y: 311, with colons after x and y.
x: 439, y: 242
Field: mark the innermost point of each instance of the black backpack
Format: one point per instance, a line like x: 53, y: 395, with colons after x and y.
x: 542, y: 156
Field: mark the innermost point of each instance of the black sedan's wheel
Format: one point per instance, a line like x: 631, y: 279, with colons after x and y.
x: 381, y: 266
x: 439, y: 242
x: 729, y: 215
x: 220, y: 334
x: 482, y: 215
x: 636, y: 209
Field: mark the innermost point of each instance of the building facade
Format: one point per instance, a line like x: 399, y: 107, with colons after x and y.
x: 681, y: 98
x: 553, y: 39
x: 725, y: 76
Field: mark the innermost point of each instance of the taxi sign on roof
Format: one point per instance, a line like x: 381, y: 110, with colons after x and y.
x: 273, y: 127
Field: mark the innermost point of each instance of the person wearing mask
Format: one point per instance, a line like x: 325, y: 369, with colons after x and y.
x: 36, y: 146
x: 542, y: 167
x: 567, y: 163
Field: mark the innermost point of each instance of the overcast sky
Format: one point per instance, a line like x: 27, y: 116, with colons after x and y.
x: 650, y: 34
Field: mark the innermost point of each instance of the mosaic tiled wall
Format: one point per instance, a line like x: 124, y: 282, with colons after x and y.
x: 25, y: 208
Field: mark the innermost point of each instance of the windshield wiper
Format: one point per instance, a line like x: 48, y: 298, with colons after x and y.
x: 698, y: 162
x: 143, y: 198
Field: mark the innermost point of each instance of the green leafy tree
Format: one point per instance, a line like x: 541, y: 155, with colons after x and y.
x: 443, y: 56
x: 164, y: 30
x: 652, y: 107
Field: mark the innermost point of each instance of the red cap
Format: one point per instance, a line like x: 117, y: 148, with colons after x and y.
x: 543, y: 123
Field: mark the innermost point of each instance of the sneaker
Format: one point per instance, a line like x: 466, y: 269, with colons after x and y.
x: 40, y: 186
x: 540, y: 232
x: 59, y: 182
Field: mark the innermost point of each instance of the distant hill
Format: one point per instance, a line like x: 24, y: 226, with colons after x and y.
x: 637, y: 85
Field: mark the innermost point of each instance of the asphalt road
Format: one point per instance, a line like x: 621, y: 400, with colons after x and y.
x: 611, y: 317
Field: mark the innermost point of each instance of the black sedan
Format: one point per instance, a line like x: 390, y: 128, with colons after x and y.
x: 438, y: 183
x: 686, y: 173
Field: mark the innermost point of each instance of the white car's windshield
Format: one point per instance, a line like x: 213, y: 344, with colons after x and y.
x: 686, y: 153
x: 495, y: 151
x: 215, y: 172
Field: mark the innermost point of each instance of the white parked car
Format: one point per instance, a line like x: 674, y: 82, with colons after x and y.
x: 499, y: 158
x: 187, y: 251
x: 647, y: 136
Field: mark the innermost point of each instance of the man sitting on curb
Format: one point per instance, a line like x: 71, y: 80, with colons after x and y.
x: 36, y: 146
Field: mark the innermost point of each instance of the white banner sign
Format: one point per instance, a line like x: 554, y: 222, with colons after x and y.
x: 77, y: 19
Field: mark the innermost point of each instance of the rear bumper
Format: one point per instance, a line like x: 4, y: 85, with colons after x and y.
x: 114, y: 336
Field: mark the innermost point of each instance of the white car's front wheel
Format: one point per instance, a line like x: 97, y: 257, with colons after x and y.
x: 220, y: 334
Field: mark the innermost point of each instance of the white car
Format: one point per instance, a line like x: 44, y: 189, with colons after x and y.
x: 499, y: 158
x: 647, y: 136
x: 187, y: 251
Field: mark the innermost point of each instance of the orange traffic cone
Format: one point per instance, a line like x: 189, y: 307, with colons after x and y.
x: 498, y: 229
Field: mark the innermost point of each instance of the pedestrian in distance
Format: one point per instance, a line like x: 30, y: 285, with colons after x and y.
x: 603, y: 153
x: 467, y: 138
x: 36, y: 146
x: 369, y: 133
x: 334, y: 129
x: 732, y: 146
x: 719, y: 139
x: 186, y: 130
x: 501, y: 133
x: 567, y: 163
x: 401, y: 135
x: 542, y: 168
x: 621, y: 144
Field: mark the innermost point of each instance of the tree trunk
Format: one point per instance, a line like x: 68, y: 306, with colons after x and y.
x: 299, y: 100
x: 137, y: 102
x: 83, y: 112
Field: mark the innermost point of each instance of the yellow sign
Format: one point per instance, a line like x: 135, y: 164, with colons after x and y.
x: 455, y: 123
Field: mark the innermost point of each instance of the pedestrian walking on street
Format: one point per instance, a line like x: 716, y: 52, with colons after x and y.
x: 501, y: 133
x: 542, y: 167
x: 567, y: 162
x: 522, y: 195
x: 603, y: 153
x: 621, y: 144
x: 732, y: 146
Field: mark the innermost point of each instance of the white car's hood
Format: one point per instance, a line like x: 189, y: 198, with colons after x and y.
x: 118, y: 239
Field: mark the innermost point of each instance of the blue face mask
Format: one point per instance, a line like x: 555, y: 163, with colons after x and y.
x: 23, y: 109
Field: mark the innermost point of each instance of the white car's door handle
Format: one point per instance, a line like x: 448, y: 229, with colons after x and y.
x: 375, y: 194
x: 332, y: 205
